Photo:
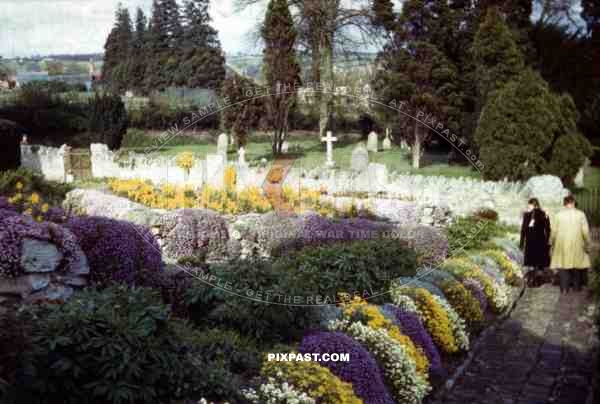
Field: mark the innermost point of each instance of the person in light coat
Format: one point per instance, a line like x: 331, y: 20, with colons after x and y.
x: 570, y: 239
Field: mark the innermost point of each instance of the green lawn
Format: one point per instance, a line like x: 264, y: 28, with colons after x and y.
x: 310, y: 151
x: 592, y: 177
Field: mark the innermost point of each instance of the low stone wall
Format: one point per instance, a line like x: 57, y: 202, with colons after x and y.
x: 50, y: 161
x: 389, y: 193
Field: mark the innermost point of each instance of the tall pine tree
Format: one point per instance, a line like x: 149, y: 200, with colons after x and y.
x: 138, y: 48
x: 202, y: 60
x: 164, y: 39
x: 418, y: 74
x: 282, y: 71
x: 117, y: 52
x: 496, y: 55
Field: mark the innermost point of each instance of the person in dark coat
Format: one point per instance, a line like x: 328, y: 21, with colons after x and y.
x: 535, y: 241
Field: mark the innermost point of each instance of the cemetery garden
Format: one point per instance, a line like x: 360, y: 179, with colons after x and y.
x: 269, y: 246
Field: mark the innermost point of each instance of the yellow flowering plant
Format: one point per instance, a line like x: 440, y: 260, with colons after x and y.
x: 357, y: 309
x: 432, y: 314
x: 465, y: 304
x: 313, y: 379
x: 464, y: 268
x: 508, y: 268
x: 185, y: 161
x: 31, y: 205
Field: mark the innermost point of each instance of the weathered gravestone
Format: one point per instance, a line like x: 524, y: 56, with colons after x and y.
x: 387, y: 142
x: 359, y: 161
x: 222, y: 145
x: 372, y: 142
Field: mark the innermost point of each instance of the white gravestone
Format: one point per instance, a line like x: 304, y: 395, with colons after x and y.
x: 360, y: 158
x: 222, y: 145
x: 242, y: 156
x: 387, y: 142
x: 215, y: 168
x: 329, y: 139
x: 372, y: 142
x: 579, y: 178
x: 285, y: 146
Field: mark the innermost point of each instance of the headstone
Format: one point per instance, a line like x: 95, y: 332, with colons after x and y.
x: 285, y: 146
x: 242, y: 156
x: 387, y: 142
x: 215, y: 168
x: 222, y: 144
x: 359, y: 160
x: 404, y: 145
x: 579, y: 178
x: 329, y: 139
x: 372, y: 142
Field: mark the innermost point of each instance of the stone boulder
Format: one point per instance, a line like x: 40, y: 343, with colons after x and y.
x: 547, y: 188
x: 38, y: 261
x: 92, y: 202
x: 199, y: 233
x: 263, y: 235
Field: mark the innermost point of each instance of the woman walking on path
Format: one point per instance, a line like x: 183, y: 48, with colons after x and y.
x: 535, y: 236
x: 570, y: 240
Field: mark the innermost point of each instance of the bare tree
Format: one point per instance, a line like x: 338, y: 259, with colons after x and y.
x: 328, y: 28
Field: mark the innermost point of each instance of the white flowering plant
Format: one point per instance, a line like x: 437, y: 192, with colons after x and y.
x: 398, y: 367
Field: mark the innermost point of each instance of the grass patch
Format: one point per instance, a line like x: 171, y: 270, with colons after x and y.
x: 311, y: 153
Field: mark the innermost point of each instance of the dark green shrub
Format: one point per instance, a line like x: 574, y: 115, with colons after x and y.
x: 365, y: 267
x: 250, y: 297
x: 472, y: 233
x: 10, y: 149
x: 114, y: 346
x: 107, y: 120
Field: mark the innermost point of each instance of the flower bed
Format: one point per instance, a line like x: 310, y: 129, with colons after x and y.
x: 418, y: 328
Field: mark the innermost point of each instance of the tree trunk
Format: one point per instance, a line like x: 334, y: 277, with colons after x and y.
x: 416, y: 149
x: 327, y: 82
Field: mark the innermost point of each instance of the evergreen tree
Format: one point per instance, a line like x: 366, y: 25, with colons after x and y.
x: 165, y: 36
x: 202, y: 60
x: 243, y: 113
x: 496, y: 55
x: 419, y: 75
x: 138, y: 48
x: 525, y: 129
x: 282, y: 71
x: 117, y: 52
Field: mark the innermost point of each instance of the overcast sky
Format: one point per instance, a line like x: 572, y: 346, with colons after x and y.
x: 81, y: 26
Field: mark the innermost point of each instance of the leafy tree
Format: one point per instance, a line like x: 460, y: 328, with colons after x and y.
x: 420, y: 75
x: 115, y: 70
x: 591, y: 14
x: 497, y: 57
x: 138, y: 49
x: 282, y: 71
x: 202, y: 60
x: 165, y: 36
x: 107, y: 120
x: 525, y: 129
x: 244, y: 112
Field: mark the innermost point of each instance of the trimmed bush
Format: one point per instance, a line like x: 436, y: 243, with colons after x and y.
x: 433, y: 315
x: 364, y: 267
x: 410, y: 325
x: 361, y: 371
x: 116, y: 250
x: 313, y: 379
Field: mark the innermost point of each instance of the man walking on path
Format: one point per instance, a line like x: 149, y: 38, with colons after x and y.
x: 570, y: 239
